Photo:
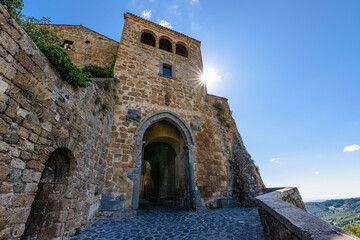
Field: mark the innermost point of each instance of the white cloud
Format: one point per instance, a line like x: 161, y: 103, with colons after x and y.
x: 174, y: 6
x: 194, y: 1
x: 317, y: 172
x: 275, y: 160
x: 164, y: 23
x: 146, y: 14
x: 352, y: 148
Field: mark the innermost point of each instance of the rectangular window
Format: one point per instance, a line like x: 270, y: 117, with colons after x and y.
x: 167, y: 70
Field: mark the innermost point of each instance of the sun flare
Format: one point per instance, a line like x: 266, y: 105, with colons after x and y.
x: 210, y: 76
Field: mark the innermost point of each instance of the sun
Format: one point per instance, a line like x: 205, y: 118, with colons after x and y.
x: 210, y: 77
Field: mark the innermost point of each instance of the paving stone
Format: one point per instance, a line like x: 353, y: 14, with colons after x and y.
x: 166, y: 222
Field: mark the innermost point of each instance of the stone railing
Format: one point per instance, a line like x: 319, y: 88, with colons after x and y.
x: 283, y: 216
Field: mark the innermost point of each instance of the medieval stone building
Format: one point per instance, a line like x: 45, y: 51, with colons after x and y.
x: 153, y: 132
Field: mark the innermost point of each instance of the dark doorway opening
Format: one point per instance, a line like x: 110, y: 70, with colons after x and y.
x: 163, y: 167
x: 158, y: 173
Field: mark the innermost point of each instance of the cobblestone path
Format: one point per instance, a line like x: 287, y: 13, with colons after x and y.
x: 165, y: 222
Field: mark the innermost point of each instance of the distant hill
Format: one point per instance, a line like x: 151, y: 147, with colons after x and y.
x: 339, y: 212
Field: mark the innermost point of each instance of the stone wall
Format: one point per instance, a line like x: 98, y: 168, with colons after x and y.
x: 88, y: 47
x: 283, y: 216
x: 42, y: 117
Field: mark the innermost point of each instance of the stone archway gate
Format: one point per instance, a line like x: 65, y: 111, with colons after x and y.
x: 135, y: 173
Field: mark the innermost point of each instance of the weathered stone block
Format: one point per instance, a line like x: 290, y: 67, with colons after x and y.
x: 17, y: 163
x: 11, y: 31
x: 46, y: 126
x: 35, y: 165
x: 31, y: 187
x: 14, y: 175
x: 111, y: 206
x: 4, y: 147
x: 8, y: 43
x: 22, y: 113
x: 5, y: 187
x: 10, y: 111
x: 3, y: 126
x: 195, y: 124
x: 27, y: 45
x: 15, y: 152
x: 3, y: 87
x: 27, y: 176
x: 18, y: 230
x: 5, y: 233
x: 133, y: 115
x: 28, y: 146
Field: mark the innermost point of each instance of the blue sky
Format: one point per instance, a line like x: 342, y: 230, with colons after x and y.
x: 290, y: 69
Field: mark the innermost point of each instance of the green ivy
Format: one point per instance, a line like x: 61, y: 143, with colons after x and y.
x: 14, y: 7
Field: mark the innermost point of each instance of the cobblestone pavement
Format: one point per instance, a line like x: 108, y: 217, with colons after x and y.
x: 165, y: 222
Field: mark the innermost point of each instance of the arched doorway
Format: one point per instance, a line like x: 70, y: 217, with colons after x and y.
x: 49, y: 211
x: 163, y: 170
x: 164, y: 143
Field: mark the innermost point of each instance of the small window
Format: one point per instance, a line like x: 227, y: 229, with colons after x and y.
x: 165, y: 44
x: 148, y: 39
x: 87, y: 41
x: 167, y: 69
x: 181, y: 50
x: 67, y: 45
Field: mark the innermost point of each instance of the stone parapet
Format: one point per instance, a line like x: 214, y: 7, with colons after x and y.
x: 283, y: 216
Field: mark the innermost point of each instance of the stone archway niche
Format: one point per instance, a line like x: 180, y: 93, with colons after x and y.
x: 48, y: 216
x: 179, y: 136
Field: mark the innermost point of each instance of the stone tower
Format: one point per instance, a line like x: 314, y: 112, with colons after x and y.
x: 162, y: 104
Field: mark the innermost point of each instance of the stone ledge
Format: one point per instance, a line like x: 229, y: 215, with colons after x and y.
x: 296, y: 220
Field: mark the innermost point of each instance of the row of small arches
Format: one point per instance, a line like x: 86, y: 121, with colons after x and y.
x: 164, y: 44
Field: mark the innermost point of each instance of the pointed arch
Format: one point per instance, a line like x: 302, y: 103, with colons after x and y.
x: 185, y: 130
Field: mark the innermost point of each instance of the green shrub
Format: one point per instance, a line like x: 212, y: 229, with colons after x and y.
x: 14, y: 7
x: 98, y: 72
x: 218, y: 106
x: 77, y: 231
x: 40, y: 35
x: 353, y: 228
x: 62, y: 62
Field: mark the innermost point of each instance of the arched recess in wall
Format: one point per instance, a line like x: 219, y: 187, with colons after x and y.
x: 50, y: 208
x: 181, y: 50
x: 148, y: 38
x: 134, y: 174
x: 165, y: 44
